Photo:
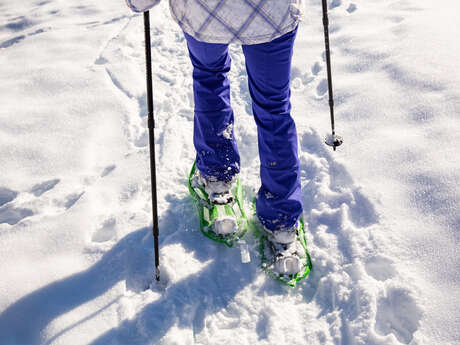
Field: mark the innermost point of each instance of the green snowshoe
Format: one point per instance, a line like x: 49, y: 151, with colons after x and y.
x: 273, y: 261
x: 222, y: 216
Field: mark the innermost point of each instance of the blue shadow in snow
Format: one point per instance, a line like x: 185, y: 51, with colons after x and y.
x: 131, y: 259
x: 188, y: 302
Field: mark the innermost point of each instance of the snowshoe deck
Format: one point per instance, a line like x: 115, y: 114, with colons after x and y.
x: 209, y: 213
x: 268, y: 259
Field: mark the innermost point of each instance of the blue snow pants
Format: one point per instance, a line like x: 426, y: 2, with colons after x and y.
x: 268, y: 65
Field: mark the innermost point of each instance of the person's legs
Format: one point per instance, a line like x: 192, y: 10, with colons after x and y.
x: 217, y: 155
x: 279, y: 202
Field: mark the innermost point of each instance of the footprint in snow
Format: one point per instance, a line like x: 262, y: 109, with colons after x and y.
x: 68, y: 201
x: 335, y: 3
x: 12, y: 215
x: 100, y: 61
x: 7, y: 195
x: 321, y: 89
x: 351, y: 8
x: 44, y: 187
x: 108, y: 169
x: 299, y: 80
x: 71, y: 199
x: 380, y: 268
x: 304, y: 78
x: 399, y: 314
x: 8, y: 213
x: 10, y: 42
x: 316, y: 68
x: 106, y: 231
x: 40, y: 201
x: 18, y: 24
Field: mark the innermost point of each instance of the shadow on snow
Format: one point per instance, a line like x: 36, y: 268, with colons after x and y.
x: 186, y: 302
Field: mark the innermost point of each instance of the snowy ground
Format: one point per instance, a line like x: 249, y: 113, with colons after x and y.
x: 383, y: 211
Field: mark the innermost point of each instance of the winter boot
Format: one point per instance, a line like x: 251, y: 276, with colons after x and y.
x: 287, y: 252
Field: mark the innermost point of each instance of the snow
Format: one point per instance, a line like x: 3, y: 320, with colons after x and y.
x: 382, y: 212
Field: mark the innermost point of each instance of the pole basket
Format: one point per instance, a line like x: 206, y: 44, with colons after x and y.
x: 334, y: 140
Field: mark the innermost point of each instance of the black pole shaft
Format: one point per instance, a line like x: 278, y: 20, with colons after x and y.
x: 328, y: 64
x: 151, y: 126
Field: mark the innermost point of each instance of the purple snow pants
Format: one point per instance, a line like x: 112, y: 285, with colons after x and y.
x: 268, y: 65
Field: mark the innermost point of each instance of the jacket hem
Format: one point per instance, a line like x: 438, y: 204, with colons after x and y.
x: 226, y: 40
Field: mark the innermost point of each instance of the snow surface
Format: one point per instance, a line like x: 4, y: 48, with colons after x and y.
x: 75, y: 215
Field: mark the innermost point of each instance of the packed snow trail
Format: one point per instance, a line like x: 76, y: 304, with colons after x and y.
x: 76, y: 248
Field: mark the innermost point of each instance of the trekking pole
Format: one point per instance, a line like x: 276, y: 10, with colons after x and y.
x: 151, y: 126
x: 334, y: 140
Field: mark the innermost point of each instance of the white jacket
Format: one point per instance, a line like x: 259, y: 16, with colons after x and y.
x: 231, y: 21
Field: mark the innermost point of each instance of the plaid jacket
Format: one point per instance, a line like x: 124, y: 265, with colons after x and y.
x: 231, y: 21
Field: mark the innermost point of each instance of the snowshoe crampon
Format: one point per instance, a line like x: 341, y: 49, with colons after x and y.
x: 224, y: 223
